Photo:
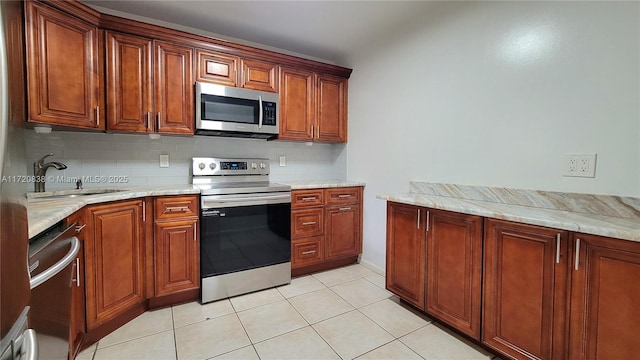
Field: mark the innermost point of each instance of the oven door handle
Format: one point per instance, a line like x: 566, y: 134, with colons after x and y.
x: 222, y: 201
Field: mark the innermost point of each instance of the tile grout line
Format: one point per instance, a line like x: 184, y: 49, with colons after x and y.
x: 175, y: 340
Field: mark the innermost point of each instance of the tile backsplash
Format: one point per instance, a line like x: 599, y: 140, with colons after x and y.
x: 136, y: 158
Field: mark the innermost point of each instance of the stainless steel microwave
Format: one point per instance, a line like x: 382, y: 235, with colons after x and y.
x: 236, y: 112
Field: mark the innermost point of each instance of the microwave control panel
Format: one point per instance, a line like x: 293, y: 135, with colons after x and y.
x: 268, y: 113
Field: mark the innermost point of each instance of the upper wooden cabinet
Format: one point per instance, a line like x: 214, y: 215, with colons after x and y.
x: 605, y: 293
x: 259, y: 75
x: 149, y: 85
x: 216, y: 68
x: 174, y: 88
x: 313, y: 107
x: 63, y: 69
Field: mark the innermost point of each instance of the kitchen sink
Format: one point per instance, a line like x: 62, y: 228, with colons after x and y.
x: 65, y: 194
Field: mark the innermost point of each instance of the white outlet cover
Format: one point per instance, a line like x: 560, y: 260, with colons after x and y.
x: 164, y: 161
x: 580, y: 165
x: 283, y: 161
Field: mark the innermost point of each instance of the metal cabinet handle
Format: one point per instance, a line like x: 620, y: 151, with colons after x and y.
x: 311, y: 198
x: 309, y: 223
x: 344, y: 196
x: 177, y: 208
x: 144, y: 210
x: 312, y: 132
x: 195, y: 231
x: 345, y: 209
x: 97, y: 116
x: 260, y: 115
x: 77, y: 277
x: 308, y: 252
x: 577, y: 265
x: 427, y: 229
x: 418, y: 218
x: 558, y: 248
x: 318, y: 131
x: 148, y: 118
x: 79, y: 228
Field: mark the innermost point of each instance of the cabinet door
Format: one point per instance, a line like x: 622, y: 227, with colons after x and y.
x: 216, y: 68
x: 605, y: 293
x: 63, y: 69
x: 114, y: 260
x: 307, y: 251
x: 343, y: 235
x: 174, y: 89
x: 331, y: 115
x: 454, y: 269
x: 405, y: 273
x: 176, y: 257
x: 297, y: 104
x: 524, y: 294
x: 259, y: 75
x: 129, y: 86
x: 77, y: 322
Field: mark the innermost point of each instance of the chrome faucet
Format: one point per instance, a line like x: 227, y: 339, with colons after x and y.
x: 40, y: 171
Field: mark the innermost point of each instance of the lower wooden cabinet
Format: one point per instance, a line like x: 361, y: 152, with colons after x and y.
x: 176, y: 245
x: 406, y: 255
x: 454, y: 269
x: 77, y: 328
x: 525, y: 280
x: 114, y: 261
x: 326, y: 228
x: 605, y: 298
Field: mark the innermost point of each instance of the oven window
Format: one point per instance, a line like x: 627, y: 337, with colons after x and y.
x: 222, y: 108
x: 242, y: 238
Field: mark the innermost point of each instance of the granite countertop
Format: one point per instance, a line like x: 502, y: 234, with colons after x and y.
x: 315, y: 184
x: 626, y: 228
x: 42, y: 214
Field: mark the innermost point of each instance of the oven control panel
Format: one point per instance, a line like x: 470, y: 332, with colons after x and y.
x: 203, y: 166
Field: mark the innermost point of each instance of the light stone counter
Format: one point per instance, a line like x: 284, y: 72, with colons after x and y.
x: 581, y: 218
x: 315, y: 184
x: 43, y: 214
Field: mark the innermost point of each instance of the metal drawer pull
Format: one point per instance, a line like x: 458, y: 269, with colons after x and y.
x: 577, y: 254
x: 80, y: 227
x: 177, y: 209
x: 309, y: 223
x: 308, y: 252
x: 558, y: 248
x: 97, y: 116
x: 344, y: 209
x: 77, y: 279
x: 427, y: 229
x: 344, y: 195
x: 308, y: 198
x: 418, y: 218
x: 195, y: 231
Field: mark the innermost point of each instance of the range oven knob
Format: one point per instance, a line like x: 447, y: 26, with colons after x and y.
x: 212, y: 166
x: 254, y: 165
x: 263, y: 165
x: 201, y: 166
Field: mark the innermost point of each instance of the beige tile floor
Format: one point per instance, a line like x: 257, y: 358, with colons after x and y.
x: 339, y: 314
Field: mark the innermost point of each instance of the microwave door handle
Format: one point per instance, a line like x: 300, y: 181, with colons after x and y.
x: 260, y: 116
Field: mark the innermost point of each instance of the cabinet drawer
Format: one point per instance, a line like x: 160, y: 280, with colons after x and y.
x: 172, y: 207
x: 306, y: 252
x: 307, y: 198
x: 347, y: 195
x: 307, y: 222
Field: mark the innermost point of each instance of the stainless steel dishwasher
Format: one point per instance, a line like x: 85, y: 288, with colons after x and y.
x: 51, y: 265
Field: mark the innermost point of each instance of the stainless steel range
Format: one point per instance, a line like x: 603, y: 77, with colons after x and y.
x: 245, y: 227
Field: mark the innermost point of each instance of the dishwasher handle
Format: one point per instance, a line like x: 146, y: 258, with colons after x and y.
x: 59, y: 266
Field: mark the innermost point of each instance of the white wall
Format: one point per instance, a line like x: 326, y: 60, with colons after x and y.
x: 138, y: 158
x: 493, y: 93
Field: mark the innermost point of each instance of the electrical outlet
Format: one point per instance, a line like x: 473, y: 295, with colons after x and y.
x: 580, y: 165
x: 283, y: 161
x: 164, y: 161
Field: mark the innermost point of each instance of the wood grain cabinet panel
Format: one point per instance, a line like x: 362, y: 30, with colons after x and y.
x: 308, y: 251
x: 342, y: 231
x: 344, y: 195
x: 129, y: 83
x: 297, y: 104
x: 176, y: 207
x: 259, y: 75
x: 524, y: 301
x: 331, y: 118
x: 114, y: 260
x: 307, y: 198
x: 454, y: 269
x: 307, y: 222
x: 176, y: 248
x: 174, y: 91
x: 216, y: 68
x: 63, y: 69
x: 605, y: 298
x: 406, y: 255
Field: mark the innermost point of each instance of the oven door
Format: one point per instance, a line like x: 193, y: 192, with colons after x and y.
x: 243, y: 232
